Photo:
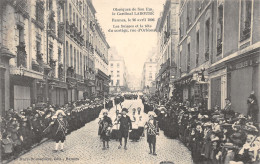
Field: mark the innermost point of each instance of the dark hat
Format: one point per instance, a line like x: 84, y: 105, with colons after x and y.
x: 124, y: 109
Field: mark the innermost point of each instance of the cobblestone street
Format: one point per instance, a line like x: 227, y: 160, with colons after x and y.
x: 84, y: 146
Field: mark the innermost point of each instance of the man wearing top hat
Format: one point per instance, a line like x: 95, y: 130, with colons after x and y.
x: 125, y: 126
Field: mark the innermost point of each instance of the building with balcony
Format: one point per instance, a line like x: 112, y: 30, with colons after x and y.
x: 101, y: 61
x: 32, y: 36
x: 118, y: 72
x: 47, y: 52
x: 149, y: 73
x: 167, y: 41
x: 86, y: 51
x: 219, y: 52
x: 78, y: 49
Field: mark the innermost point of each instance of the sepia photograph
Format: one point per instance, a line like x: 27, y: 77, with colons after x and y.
x: 130, y: 81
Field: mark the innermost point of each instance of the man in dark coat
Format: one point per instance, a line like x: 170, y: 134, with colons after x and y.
x: 125, y: 126
x: 253, y: 109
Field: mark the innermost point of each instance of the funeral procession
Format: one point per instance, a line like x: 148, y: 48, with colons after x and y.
x: 130, y: 81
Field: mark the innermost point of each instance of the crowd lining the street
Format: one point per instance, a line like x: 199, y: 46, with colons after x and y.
x: 213, y: 136
x: 28, y: 127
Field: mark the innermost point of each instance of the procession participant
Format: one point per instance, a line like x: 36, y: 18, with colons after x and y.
x: 152, y: 130
x: 134, y: 135
x: 100, y: 118
x: 115, y: 127
x: 105, y: 124
x: 125, y: 126
x: 60, y: 129
x: 141, y: 123
x: 139, y: 110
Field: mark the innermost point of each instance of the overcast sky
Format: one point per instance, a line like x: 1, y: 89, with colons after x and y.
x: 133, y: 46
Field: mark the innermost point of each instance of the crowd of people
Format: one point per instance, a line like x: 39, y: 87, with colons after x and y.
x: 130, y: 96
x: 212, y: 136
x: 22, y: 130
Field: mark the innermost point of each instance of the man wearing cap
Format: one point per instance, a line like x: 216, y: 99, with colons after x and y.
x: 125, y: 126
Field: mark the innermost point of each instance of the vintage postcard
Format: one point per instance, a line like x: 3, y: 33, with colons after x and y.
x: 130, y: 81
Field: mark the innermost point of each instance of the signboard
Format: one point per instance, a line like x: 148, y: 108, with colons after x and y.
x: 243, y: 64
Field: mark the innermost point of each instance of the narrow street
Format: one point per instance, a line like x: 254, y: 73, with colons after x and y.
x: 84, y: 146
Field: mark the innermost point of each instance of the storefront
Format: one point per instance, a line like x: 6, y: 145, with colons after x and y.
x: 81, y: 88
x: 194, y: 88
x: 57, y: 92
x: 21, y: 92
x: 218, y: 88
x: 243, y: 78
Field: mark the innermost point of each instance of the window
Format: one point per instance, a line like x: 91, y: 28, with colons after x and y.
x: 67, y: 54
x: 207, y: 40
x: 71, y: 55
x: 75, y: 57
x: 150, y: 76
x: 40, y: 11
x: 80, y: 68
x: 21, y: 34
x: 188, y: 15
x: 118, y: 75
x: 38, y: 45
x: 74, y: 18
x: 50, y: 4
x: 197, y: 48
x: 112, y: 82
x: 245, y: 19
x: 118, y: 65
x: 78, y: 61
x: 219, y: 28
x: 59, y: 54
x: 70, y: 13
x: 118, y: 82
x: 180, y: 64
x: 188, y: 59
x: 51, y: 51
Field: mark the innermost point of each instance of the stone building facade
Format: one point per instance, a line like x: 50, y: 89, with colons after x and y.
x: 218, y: 52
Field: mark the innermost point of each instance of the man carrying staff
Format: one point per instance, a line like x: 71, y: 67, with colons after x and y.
x: 125, y: 126
x: 152, y: 130
x: 59, y: 126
